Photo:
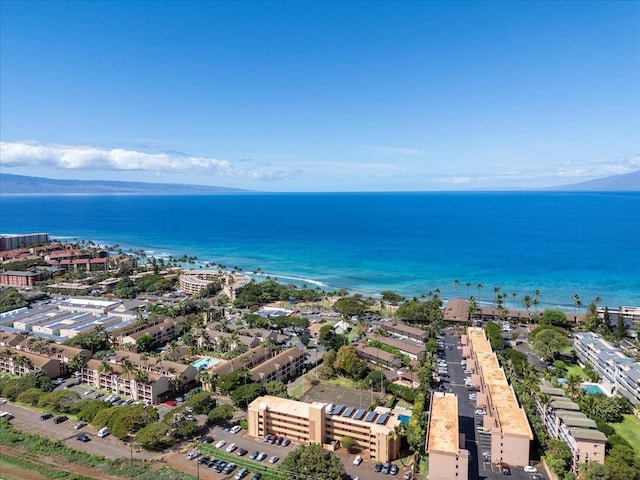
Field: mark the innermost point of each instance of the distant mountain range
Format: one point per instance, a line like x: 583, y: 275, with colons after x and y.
x: 628, y: 182
x: 23, y: 185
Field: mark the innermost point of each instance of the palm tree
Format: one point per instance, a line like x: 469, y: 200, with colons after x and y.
x: 77, y: 363
x: 468, y: 284
x: 496, y: 291
x: 140, y: 376
x: 526, y: 301
x: 457, y: 284
x: 577, y: 301
x: 24, y: 362
x: 479, y: 287
x: 514, y: 295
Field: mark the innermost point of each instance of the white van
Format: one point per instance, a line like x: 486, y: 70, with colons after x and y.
x: 103, y: 432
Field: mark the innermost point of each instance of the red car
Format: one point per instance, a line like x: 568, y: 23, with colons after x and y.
x: 171, y: 403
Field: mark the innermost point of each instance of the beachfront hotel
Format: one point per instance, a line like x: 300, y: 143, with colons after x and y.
x: 618, y: 372
x: 511, y: 434
x: 375, y: 432
x: 563, y: 419
x: 448, y: 459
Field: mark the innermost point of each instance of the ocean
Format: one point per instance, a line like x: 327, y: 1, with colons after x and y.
x: 561, y: 244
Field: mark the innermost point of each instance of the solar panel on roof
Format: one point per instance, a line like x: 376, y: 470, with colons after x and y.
x: 370, y: 417
x: 359, y: 414
x: 337, y: 409
x: 349, y: 411
x: 382, y: 419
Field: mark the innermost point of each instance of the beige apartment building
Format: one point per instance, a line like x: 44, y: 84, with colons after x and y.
x: 511, y: 434
x: 448, y: 460
x: 375, y: 432
x: 284, y: 366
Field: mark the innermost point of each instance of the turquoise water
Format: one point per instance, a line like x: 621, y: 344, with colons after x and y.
x: 558, y: 243
x: 593, y: 389
x: 204, y: 363
x: 404, y: 419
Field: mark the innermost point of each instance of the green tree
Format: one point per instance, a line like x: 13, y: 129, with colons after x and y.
x: 391, y: 297
x: 276, y: 388
x: 30, y: 396
x: 220, y: 414
x: 349, y: 364
x: 155, y: 436
x: 245, y: 394
x: 556, y: 318
x: 202, y: 403
x: 145, y: 343
x: 348, y: 443
x: 549, y: 343
x: 621, y: 327
x: 353, y: 305
x: 426, y: 312
x: 623, y: 462
x: 595, y: 471
x: 312, y: 462
x: 59, y: 400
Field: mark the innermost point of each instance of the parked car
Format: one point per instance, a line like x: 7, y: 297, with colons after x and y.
x: 505, y: 470
x: 243, y: 472
x: 286, y: 442
x: 207, y: 440
x: 394, y: 469
x: 204, y: 460
x: 103, y: 432
x: 45, y: 416
x: 231, y: 447
x: 357, y: 460
x: 386, y: 468
x: 257, y: 476
x: 241, y: 452
x: 193, y: 454
x: 274, y: 459
x: 407, y: 475
x: 254, y: 455
x: 378, y: 467
x: 236, y: 429
x: 221, y: 444
x: 171, y: 403
x: 530, y: 469
x: 261, y: 456
x: 480, y: 411
x: 60, y: 419
x: 79, y: 425
x: 82, y: 437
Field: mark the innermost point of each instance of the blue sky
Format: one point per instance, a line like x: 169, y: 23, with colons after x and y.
x: 321, y: 96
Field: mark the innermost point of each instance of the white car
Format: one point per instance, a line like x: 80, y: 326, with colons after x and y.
x: 192, y: 454
x: 236, y: 429
x: 231, y: 447
x: 357, y: 460
x: 530, y: 469
x: 3, y: 401
x: 221, y: 444
x: 480, y: 412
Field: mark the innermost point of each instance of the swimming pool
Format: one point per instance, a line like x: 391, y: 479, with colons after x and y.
x: 592, y: 389
x: 205, y: 363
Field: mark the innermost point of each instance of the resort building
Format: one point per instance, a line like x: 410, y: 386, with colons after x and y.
x: 37, y: 354
x: 230, y: 341
x: 375, y: 432
x: 448, y: 459
x: 457, y: 312
x: 510, y: 431
x: 405, y: 331
x: 19, y: 279
x: 378, y: 357
x: 562, y: 419
x: 284, y: 366
x: 12, y: 242
x: 413, y: 350
x: 161, y: 332
x: 618, y: 372
x: 245, y: 361
x: 138, y: 376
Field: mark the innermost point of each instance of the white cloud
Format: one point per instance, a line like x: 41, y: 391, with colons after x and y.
x: 81, y: 157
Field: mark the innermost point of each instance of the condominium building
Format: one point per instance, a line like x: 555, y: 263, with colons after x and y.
x: 284, y: 366
x: 563, y: 419
x: 511, y: 434
x: 448, y: 459
x: 618, y: 372
x: 375, y: 432
x: 379, y: 357
x: 11, y: 242
x: 412, y: 349
x: 405, y: 331
x: 151, y: 378
x: 19, y: 279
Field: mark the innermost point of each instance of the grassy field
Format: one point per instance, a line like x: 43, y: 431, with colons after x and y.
x: 629, y: 429
x: 576, y: 370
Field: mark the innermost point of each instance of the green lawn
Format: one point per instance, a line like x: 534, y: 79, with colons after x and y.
x: 576, y: 370
x: 355, y: 331
x: 629, y: 429
x: 341, y: 381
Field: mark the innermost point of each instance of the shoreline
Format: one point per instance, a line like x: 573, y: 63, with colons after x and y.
x: 259, y: 274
